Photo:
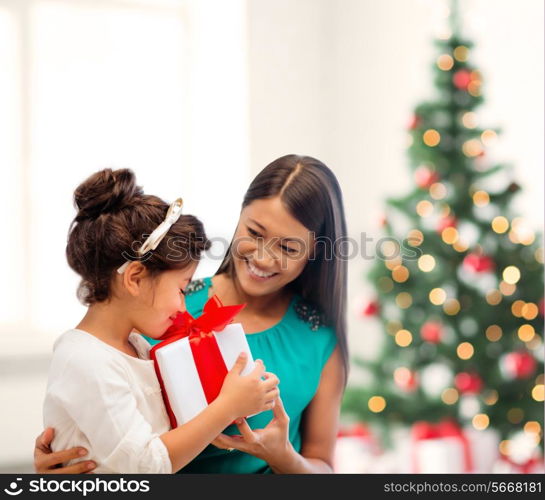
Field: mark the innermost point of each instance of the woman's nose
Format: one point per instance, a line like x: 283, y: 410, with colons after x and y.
x: 265, y: 259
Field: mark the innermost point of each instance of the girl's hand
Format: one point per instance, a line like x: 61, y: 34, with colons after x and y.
x: 270, y: 444
x: 248, y: 394
x: 47, y: 462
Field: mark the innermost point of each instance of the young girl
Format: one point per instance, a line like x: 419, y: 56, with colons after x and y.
x: 102, y: 391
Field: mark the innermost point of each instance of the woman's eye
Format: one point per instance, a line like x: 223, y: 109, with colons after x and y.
x: 253, y: 233
x: 288, y: 249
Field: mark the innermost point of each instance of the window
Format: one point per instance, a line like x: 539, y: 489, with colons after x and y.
x: 157, y: 86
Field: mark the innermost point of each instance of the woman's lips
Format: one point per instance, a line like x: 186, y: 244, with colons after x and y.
x: 256, y: 273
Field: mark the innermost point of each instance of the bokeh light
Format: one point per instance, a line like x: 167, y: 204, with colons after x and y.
x: 494, y: 333
x: 465, y: 350
x: 437, y: 296
x: 376, y: 404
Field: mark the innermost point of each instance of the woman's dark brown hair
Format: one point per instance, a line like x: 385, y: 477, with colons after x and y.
x: 310, y: 192
x: 114, y: 218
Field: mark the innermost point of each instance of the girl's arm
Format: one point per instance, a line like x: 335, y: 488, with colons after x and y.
x: 240, y: 395
x: 122, y: 439
x: 319, y: 430
x: 185, y: 442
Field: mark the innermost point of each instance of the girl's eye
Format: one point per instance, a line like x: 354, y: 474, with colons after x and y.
x: 253, y: 233
x: 182, y: 292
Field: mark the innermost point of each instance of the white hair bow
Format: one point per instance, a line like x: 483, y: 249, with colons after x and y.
x: 153, y: 240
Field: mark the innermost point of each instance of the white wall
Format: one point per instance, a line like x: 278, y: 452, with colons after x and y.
x: 339, y: 80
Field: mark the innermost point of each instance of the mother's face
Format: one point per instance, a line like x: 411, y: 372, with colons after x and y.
x: 270, y: 248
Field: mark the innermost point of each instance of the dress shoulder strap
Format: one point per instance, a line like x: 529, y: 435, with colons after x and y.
x: 196, y: 286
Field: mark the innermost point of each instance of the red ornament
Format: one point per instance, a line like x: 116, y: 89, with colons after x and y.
x: 478, y: 263
x: 462, y: 79
x: 446, y: 222
x: 468, y: 383
x: 424, y: 177
x: 371, y: 308
x: 358, y: 429
x: 432, y: 331
x: 414, y: 122
x: 519, y: 364
x: 406, y: 379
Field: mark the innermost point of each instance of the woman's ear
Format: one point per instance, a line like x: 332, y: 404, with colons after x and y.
x: 133, y: 278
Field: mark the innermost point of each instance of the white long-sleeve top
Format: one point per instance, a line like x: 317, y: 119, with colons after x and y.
x: 108, y: 402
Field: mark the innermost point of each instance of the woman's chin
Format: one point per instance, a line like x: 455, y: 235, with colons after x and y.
x: 255, y: 285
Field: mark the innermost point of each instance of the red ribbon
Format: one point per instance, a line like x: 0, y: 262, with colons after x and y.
x: 355, y: 430
x: 526, y: 467
x: 362, y: 432
x: 446, y: 428
x: 204, y: 347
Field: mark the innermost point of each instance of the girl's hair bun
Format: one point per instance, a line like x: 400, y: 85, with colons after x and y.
x: 106, y: 191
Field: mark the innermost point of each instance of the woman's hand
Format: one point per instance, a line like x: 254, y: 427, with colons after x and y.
x: 319, y: 430
x: 270, y: 444
x: 48, y: 462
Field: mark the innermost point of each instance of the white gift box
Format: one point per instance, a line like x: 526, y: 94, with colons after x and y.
x: 441, y: 448
x: 504, y: 466
x: 484, y: 445
x: 179, y: 374
x: 439, y: 456
x: 353, y: 455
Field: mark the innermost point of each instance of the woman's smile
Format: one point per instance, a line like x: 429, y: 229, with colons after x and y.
x: 256, y: 273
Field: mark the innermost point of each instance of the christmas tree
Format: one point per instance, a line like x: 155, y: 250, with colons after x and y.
x: 458, y: 277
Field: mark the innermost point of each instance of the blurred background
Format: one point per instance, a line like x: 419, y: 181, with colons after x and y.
x: 197, y: 96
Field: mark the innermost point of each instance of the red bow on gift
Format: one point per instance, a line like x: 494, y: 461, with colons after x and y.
x: 446, y: 428
x: 204, y: 347
x: 215, y: 317
x: 361, y: 432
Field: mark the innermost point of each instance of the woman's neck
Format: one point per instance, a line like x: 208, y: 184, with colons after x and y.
x: 107, y: 323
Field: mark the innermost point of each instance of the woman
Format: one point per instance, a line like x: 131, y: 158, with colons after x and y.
x: 282, y: 263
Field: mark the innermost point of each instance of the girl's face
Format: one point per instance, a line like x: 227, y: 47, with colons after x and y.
x: 161, y: 300
x: 270, y: 248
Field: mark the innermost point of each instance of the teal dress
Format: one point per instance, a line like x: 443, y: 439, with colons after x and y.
x: 296, y: 350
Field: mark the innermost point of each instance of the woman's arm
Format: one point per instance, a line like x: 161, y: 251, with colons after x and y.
x: 319, y: 426
x: 319, y: 430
